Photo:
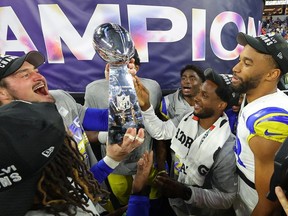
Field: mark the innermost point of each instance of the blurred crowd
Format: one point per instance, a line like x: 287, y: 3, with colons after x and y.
x: 272, y: 24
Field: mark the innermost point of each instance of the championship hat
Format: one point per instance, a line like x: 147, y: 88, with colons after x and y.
x: 30, y: 136
x: 271, y: 44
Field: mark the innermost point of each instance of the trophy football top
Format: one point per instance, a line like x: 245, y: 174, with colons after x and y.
x: 113, y: 43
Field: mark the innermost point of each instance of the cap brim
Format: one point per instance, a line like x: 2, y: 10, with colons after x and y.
x: 19, y: 199
x: 244, y: 39
x: 33, y: 57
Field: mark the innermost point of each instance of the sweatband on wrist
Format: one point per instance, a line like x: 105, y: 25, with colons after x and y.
x: 111, y: 162
x: 101, y: 170
x: 102, y: 137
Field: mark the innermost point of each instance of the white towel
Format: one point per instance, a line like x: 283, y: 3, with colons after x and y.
x: 195, y: 154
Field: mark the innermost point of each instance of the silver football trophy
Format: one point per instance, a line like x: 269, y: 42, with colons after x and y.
x: 115, y: 46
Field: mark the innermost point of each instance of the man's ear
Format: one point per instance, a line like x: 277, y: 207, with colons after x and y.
x: 137, y: 68
x: 222, y: 105
x: 3, y: 94
x: 274, y: 74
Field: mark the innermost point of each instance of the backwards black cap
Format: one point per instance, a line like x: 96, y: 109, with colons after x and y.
x: 224, y: 90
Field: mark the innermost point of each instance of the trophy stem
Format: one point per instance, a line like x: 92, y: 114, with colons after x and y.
x: 124, y: 109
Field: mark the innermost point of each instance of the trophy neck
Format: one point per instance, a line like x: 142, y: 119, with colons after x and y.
x: 118, y: 69
x: 118, y: 64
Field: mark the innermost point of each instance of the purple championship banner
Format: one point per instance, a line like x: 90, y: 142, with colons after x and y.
x: 167, y: 34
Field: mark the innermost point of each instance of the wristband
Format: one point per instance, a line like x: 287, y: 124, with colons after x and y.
x: 187, y: 193
x: 111, y: 162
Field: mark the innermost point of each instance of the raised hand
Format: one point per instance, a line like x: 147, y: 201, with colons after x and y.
x: 142, y: 94
x: 130, y: 142
x: 132, y: 68
x: 143, y: 170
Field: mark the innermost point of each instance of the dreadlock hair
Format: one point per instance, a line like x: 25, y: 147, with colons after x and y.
x: 66, y: 183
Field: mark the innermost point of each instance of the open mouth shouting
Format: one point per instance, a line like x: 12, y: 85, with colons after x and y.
x: 40, y: 89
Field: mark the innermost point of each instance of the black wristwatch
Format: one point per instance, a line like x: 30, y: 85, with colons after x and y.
x: 187, y: 193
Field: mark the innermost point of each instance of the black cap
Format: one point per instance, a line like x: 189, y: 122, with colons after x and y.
x: 10, y: 64
x: 30, y: 136
x: 271, y: 44
x: 223, y: 81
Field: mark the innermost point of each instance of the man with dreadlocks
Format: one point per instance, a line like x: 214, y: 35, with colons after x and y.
x: 42, y: 171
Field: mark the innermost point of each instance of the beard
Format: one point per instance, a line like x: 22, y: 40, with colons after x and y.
x: 205, y: 113
x: 245, y: 86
